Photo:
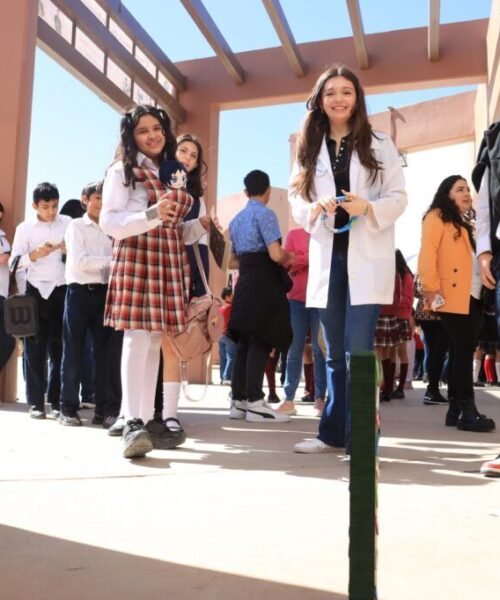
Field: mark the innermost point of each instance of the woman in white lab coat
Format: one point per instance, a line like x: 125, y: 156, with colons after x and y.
x: 347, y: 190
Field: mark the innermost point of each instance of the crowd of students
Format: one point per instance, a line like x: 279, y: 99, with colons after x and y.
x: 124, y: 272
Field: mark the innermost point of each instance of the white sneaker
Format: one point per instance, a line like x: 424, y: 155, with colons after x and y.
x: 314, y: 446
x: 260, y: 412
x: 238, y: 409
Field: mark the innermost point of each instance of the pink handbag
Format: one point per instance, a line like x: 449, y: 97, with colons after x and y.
x: 204, y: 325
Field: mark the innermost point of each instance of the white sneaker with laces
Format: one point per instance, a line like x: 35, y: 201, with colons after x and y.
x: 314, y: 446
x: 259, y: 411
x: 238, y: 409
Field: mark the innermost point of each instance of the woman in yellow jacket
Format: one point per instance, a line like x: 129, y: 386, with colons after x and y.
x: 451, y: 285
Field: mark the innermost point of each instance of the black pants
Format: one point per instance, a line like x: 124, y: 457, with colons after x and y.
x: 84, y: 310
x: 436, y: 343
x: 47, y: 342
x: 463, y: 331
x: 248, y: 369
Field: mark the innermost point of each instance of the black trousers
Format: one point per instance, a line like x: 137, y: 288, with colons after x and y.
x: 84, y: 311
x: 248, y: 369
x: 463, y: 331
x: 436, y: 343
x: 47, y: 342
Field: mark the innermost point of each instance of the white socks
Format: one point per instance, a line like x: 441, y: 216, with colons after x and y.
x: 476, y: 368
x: 171, y: 390
x: 497, y: 370
x: 139, y: 371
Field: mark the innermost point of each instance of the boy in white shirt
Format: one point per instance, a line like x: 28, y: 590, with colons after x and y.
x: 40, y: 243
x: 88, y: 260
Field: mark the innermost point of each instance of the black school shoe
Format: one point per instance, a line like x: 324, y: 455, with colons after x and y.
x: 136, y: 440
x: 433, y: 398
x: 473, y: 421
x: 164, y: 438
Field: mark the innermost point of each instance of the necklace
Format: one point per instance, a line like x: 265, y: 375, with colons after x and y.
x: 342, y: 229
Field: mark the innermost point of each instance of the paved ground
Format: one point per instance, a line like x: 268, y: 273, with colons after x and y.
x: 235, y: 514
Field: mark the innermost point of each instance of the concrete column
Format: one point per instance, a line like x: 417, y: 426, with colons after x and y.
x: 18, y: 28
x: 203, y: 121
x: 493, y: 52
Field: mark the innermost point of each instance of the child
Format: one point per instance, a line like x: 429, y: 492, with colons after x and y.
x: 87, y: 272
x: 227, y: 348
x: 259, y: 322
x: 40, y: 243
x: 149, y: 280
x: 7, y: 342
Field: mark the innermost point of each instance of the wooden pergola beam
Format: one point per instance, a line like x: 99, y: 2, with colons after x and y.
x: 280, y: 24
x: 433, y: 30
x: 126, y: 20
x: 73, y: 61
x: 358, y: 33
x: 214, y: 37
x: 108, y: 43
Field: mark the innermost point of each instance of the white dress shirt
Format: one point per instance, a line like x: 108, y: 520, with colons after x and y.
x: 48, y: 272
x: 4, y: 269
x: 88, y: 252
x: 123, y: 211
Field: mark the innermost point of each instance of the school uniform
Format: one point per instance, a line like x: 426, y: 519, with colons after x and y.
x: 149, y: 284
x: 88, y: 259
x: 7, y: 342
x: 149, y: 279
x: 46, y: 283
x: 197, y: 287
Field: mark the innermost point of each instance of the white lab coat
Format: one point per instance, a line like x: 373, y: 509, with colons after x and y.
x: 371, y: 260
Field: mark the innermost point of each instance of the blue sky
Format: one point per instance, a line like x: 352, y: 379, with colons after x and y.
x: 74, y: 134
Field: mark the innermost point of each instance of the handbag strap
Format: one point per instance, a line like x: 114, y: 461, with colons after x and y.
x: 201, y: 268
x: 12, y: 277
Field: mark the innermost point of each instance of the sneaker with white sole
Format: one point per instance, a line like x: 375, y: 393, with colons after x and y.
x: 260, y: 412
x: 491, y: 468
x: 116, y: 430
x: 238, y: 409
x: 314, y: 446
x: 287, y: 408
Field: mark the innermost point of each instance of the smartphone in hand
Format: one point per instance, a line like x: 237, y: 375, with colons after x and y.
x: 438, y: 302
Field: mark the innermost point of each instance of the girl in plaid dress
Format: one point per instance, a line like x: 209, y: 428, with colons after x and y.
x: 149, y: 279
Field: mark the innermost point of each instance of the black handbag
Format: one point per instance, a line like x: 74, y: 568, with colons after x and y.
x: 20, y: 310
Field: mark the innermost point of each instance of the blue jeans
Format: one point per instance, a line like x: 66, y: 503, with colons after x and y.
x: 227, y: 354
x: 303, y: 319
x: 348, y: 329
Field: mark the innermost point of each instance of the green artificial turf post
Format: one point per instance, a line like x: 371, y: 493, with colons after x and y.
x: 363, y: 479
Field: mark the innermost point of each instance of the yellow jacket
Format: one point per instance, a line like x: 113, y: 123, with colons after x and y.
x: 445, y: 263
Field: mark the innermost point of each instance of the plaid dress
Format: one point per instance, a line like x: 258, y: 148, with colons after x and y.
x: 149, y: 279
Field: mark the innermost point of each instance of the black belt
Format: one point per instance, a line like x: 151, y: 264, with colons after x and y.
x: 90, y: 287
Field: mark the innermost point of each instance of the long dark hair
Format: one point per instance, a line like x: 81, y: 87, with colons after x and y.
x: 127, y: 148
x: 316, y: 126
x: 195, y: 183
x: 448, y: 210
x: 401, y: 265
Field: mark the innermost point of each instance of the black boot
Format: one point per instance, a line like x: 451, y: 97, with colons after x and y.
x: 453, y: 412
x: 471, y: 420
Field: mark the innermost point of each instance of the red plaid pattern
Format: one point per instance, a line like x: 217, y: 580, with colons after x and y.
x: 149, y: 281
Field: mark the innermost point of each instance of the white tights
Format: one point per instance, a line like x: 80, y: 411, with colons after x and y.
x: 139, y: 371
